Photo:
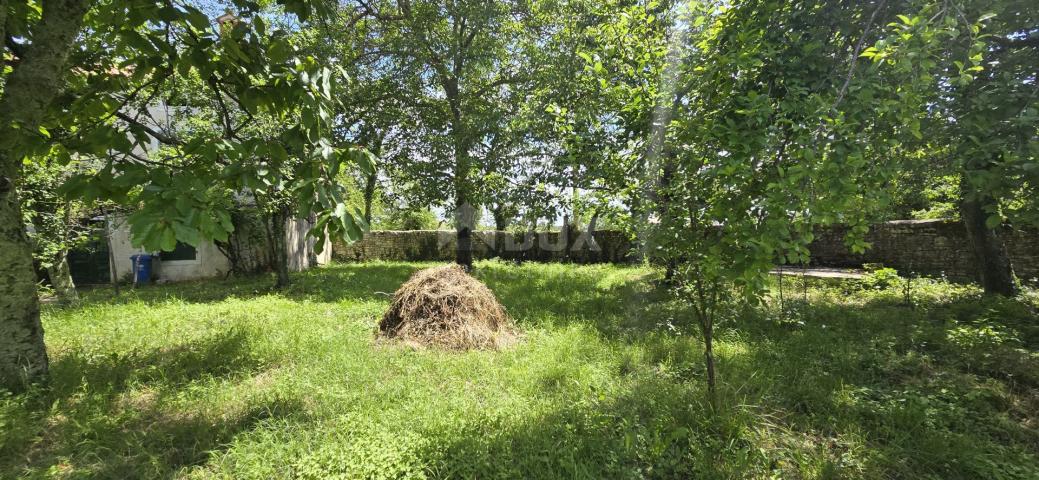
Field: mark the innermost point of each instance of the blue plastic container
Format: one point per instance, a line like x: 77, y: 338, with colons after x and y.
x: 142, y: 268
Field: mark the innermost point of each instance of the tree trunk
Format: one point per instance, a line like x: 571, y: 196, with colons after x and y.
x: 28, y: 92
x: 569, y: 233
x: 665, y: 198
x: 465, y: 211
x: 281, y: 248
x: 708, y: 338
x: 501, y: 220
x: 464, y: 219
x: 113, y: 278
x: 23, y: 356
x: 594, y: 249
x: 637, y: 213
x: 369, y: 197
x: 990, y: 255
x: 61, y: 279
x: 704, y: 303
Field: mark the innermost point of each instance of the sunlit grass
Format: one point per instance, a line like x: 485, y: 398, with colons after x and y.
x: 230, y: 379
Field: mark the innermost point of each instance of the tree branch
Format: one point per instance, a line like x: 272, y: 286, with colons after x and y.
x: 161, y: 137
x: 855, y: 56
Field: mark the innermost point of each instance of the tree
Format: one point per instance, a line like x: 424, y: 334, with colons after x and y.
x: 261, y: 126
x: 29, y: 89
x: 462, y: 57
x: 780, y: 128
x: 92, y: 102
x: 603, y: 102
x: 55, y: 224
x: 987, y: 114
x: 975, y: 67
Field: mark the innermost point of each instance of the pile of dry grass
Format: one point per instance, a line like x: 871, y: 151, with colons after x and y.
x: 446, y: 307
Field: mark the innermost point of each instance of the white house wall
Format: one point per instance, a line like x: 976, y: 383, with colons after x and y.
x: 301, y: 246
x: 209, y: 261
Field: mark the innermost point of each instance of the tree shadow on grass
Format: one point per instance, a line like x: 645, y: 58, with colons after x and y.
x: 576, y: 294
x: 123, y: 415
x: 579, y: 295
x: 811, y: 402
x: 331, y: 283
x: 532, y: 295
x: 656, y: 429
x: 877, y: 387
x: 899, y: 381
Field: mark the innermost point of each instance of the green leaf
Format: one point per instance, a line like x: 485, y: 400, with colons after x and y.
x: 198, y: 19
x: 167, y: 239
x: 186, y: 234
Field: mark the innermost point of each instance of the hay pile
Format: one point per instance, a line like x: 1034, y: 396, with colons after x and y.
x: 446, y: 307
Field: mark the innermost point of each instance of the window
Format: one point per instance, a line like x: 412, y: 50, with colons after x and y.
x: 182, y: 251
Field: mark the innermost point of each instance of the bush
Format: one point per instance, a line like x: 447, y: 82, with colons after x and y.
x: 881, y: 279
x: 410, y: 219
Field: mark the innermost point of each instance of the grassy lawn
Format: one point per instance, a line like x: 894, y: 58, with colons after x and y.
x: 228, y: 379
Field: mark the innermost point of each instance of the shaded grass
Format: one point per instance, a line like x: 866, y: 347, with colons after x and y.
x: 228, y: 379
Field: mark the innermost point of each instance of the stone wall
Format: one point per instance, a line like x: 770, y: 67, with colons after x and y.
x: 417, y: 245
x: 927, y: 247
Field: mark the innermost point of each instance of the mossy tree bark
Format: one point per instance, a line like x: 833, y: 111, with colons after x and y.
x: 22, y: 353
x: 28, y: 92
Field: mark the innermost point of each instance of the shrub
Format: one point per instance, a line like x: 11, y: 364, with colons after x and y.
x: 881, y: 279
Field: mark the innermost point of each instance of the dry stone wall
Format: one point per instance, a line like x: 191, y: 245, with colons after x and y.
x: 927, y: 247
x: 418, y: 245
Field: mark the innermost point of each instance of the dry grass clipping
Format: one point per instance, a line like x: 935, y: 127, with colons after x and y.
x: 446, y: 307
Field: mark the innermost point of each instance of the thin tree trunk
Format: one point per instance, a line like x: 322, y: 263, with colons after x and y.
x: 369, y: 197
x: 272, y: 244
x: 704, y: 307
x: 564, y: 232
x: 28, y: 92
x: 665, y: 198
x: 708, y: 338
x: 990, y: 255
x: 113, y: 276
x: 636, y: 211
x: 61, y: 279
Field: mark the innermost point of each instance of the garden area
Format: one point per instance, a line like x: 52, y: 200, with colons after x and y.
x: 230, y: 379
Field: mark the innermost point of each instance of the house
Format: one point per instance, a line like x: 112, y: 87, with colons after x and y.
x: 186, y: 262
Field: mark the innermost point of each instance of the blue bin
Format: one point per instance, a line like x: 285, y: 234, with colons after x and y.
x: 142, y: 268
